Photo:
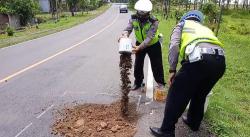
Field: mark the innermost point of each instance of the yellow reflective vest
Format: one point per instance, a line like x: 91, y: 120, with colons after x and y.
x: 193, y: 33
x: 141, y: 32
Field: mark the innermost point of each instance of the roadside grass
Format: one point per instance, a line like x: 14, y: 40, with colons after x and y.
x: 228, y: 114
x: 49, y: 27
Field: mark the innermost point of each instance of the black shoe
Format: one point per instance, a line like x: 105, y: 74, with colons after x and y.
x: 158, y: 133
x: 193, y: 128
x: 135, y: 87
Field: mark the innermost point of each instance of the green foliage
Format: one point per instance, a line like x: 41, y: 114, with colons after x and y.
x: 84, y: 5
x: 41, y: 20
x: 211, y: 10
x: 132, y: 3
x: 26, y: 9
x: 10, y: 31
x: 243, y: 29
x: 72, y: 6
x: 178, y: 14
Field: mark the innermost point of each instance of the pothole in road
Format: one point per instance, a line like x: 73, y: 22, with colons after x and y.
x: 96, y: 120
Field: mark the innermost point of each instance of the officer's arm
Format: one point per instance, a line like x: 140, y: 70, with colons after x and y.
x: 128, y: 30
x: 150, y: 35
x: 174, y: 47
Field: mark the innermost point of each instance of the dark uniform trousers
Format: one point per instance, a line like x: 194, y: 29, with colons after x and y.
x: 193, y: 82
x: 155, y: 56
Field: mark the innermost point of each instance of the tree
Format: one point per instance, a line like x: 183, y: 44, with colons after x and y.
x: 132, y: 3
x: 236, y: 4
x: 245, y: 4
x: 26, y: 9
x: 228, y: 1
x: 211, y: 10
x: 84, y: 5
x: 72, y: 6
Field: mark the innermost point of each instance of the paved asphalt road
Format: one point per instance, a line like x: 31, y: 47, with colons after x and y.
x: 47, y: 72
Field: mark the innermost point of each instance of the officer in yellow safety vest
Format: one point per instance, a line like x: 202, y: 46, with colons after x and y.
x: 147, y: 37
x: 203, y: 64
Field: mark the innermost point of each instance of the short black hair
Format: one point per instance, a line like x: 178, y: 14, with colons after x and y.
x: 193, y: 18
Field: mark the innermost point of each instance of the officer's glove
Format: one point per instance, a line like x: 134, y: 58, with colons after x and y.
x: 171, y: 78
x: 136, y: 49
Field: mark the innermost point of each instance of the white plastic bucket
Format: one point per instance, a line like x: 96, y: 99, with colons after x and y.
x: 206, y: 103
x: 125, y: 45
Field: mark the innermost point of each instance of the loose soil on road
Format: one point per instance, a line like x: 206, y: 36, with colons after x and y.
x: 95, y: 120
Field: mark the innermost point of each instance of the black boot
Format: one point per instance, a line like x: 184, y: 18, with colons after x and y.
x: 158, y: 133
x: 135, y: 87
x: 189, y: 124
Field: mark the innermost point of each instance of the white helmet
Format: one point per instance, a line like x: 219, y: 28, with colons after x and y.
x: 144, y: 5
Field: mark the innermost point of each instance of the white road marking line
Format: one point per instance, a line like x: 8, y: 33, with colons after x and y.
x: 23, y: 130
x: 138, y: 103
x: 59, y: 53
x: 150, y: 83
x: 45, y: 111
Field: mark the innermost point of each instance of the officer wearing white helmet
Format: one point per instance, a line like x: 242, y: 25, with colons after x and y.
x: 146, y: 31
x: 203, y: 64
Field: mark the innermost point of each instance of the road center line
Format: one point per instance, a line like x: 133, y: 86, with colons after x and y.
x: 46, y: 110
x: 23, y: 130
x: 59, y: 53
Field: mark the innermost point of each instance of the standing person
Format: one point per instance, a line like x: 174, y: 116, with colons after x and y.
x: 145, y: 27
x: 203, y: 64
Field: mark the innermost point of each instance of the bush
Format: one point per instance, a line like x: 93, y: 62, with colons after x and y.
x: 211, y: 10
x: 243, y: 29
x: 26, y: 9
x: 41, y: 20
x: 63, y: 15
x: 10, y: 31
x: 178, y: 14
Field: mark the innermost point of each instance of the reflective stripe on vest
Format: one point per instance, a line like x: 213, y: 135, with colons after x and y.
x: 141, y: 33
x: 194, y: 33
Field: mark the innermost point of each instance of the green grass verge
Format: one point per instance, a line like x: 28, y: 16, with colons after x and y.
x: 229, y: 113
x: 49, y: 27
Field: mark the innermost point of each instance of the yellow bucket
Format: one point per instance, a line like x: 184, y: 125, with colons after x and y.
x: 160, y: 94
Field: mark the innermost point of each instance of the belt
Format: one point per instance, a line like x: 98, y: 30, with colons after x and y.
x: 212, y: 51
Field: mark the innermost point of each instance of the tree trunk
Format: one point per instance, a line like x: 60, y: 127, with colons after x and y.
x: 169, y: 4
x: 219, y: 20
x: 201, y: 4
x: 72, y: 12
x: 228, y: 1
x: 186, y: 5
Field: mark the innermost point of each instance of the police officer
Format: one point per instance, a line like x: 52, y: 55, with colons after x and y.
x: 203, y: 64
x: 145, y: 27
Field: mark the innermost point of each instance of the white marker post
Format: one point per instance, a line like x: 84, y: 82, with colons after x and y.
x: 150, y: 83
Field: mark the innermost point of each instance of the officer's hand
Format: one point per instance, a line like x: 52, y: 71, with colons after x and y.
x: 122, y: 36
x: 135, y: 49
x: 171, y: 78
